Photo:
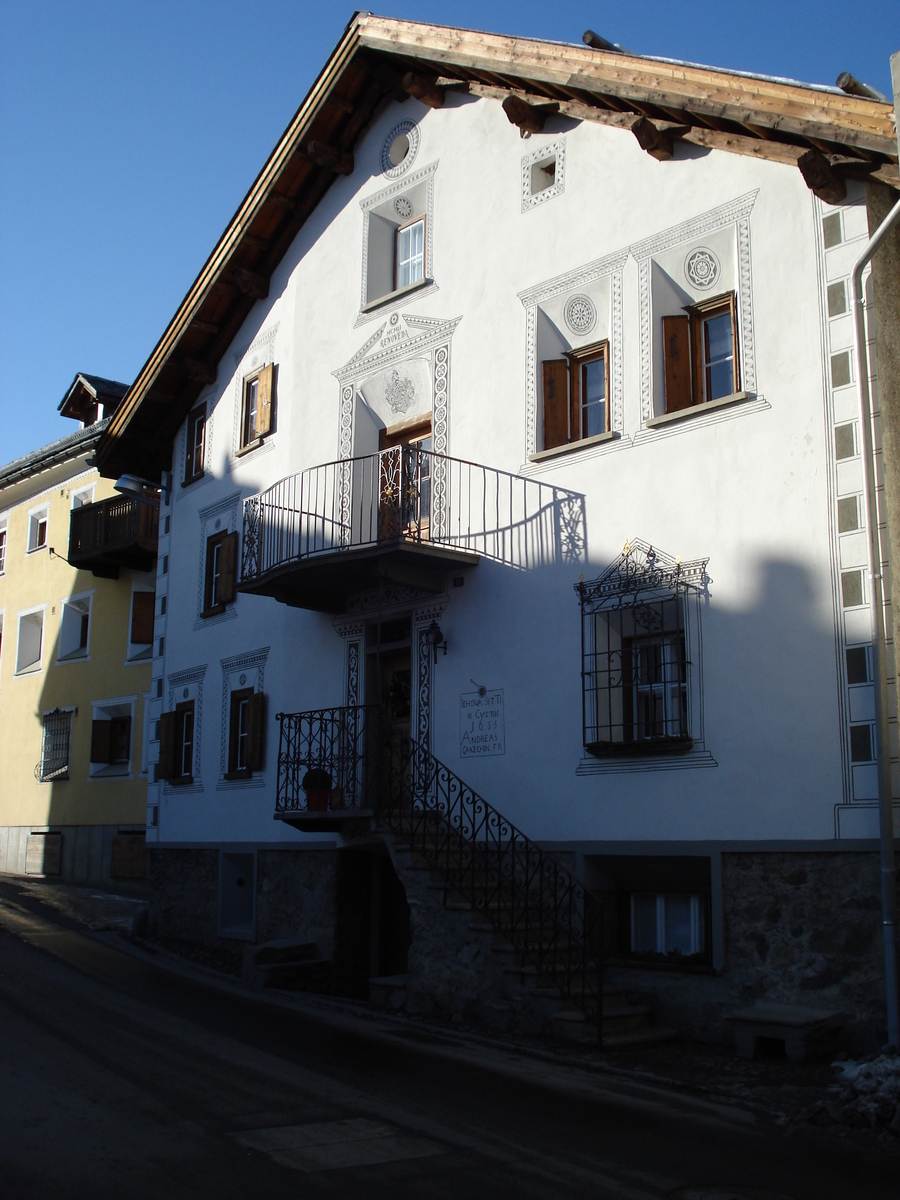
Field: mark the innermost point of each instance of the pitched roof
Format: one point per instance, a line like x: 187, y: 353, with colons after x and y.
x: 829, y: 134
x: 62, y: 450
x: 87, y: 389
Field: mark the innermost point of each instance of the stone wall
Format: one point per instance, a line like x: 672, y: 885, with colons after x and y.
x: 800, y: 928
x: 295, y: 896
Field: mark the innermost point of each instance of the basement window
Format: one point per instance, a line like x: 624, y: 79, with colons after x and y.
x: 668, y: 924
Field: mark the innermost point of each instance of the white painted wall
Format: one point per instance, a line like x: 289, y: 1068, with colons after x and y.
x: 752, y: 488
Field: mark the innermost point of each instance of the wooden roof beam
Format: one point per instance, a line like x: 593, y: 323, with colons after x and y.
x: 653, y: 139
x: 196, y: 368
x: 529, y: 118
x: 821, y: 178
x: 251, y: 284
x: 324, y: 155
x: 424, y: 88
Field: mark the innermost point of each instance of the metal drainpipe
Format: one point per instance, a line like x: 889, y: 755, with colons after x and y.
x: 876, y: 605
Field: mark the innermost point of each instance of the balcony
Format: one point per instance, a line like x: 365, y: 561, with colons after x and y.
x: 406, y: 515
x: 119, y: 532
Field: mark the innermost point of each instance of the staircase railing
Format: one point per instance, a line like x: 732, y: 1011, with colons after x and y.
x: 553, y: 923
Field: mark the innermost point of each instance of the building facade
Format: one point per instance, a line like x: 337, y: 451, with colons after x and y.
x: 74, y: 665
x: 531, y: 430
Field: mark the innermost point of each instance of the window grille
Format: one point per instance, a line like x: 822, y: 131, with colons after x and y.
x: 54, y: 764
x: 636, y: 681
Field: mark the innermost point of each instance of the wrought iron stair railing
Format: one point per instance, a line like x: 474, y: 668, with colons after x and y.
x: 552, y: 922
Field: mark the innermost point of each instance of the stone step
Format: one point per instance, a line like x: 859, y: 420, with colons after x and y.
x: 388, y: 992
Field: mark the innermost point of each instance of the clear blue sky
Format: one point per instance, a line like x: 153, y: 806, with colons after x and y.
x: 129, y: 133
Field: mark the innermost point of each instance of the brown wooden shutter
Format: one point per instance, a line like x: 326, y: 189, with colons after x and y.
x: 264, y: 397
x: 556, y: 402
x: 167, y: 729
x: 677, y: 360
x: 142, y: 617
x: 100, y: 741
x: 227, y: 568
x: 256, y: 725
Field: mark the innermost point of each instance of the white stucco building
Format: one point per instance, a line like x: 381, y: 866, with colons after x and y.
x: 522, y: 410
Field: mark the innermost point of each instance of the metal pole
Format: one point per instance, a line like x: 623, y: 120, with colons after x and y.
x: 876, y: 605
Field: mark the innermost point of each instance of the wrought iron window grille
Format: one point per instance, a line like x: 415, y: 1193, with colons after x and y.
x: 636, y: 666
x: 54, y: 764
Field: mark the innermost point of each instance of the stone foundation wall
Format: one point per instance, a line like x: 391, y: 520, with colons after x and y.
x: 85, y: 851
x: 295, y: 896
x: 800, y: 928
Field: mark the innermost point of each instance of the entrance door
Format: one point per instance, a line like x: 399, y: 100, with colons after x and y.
x: 405, y: 481
x: 396, y: 688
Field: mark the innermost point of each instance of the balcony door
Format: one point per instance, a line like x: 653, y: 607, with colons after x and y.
x: 405, y: 480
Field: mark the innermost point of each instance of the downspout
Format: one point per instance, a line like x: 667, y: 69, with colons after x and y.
x: 876, y: 607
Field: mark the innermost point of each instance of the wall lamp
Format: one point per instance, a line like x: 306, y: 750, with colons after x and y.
x: 434, y: 637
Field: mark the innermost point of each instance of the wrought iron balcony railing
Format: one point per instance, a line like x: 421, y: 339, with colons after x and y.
x: 120, y: 531
x: 352, y: 761
x: 408, y: 497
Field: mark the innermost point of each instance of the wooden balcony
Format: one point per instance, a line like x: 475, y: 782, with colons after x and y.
x: 405, y: 515
x: 119, y: 532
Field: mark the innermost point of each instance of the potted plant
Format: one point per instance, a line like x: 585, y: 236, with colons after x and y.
x: 317, y: 785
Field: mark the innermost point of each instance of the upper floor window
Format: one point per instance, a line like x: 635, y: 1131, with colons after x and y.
x: 221, y: 568
x: 409, y: 254
x: 245, y: 733
x: 176, y: 744
x: 2, y: 549
x: 82, y: 497
x: 196, y: 445
x: 55, y: 747
x: 143, y: 615
x: 576, y: 395
x: 700, y: 354
x: 257, y: 406
x: 74, y: 628
x: 638, y: 693
x: 37, y: 529
x: 31, y: 639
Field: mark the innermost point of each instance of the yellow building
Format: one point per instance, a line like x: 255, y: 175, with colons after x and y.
x: 77, y: 580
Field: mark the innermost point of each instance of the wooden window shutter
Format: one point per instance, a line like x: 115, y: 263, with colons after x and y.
x: 167, y: 730
x: 142, y: 618
x: 227, y: 568
x: 556, y: 402
x: 677, y: 360
x: 100, y: 741
x: 256, y: 725
x: 264, y: 399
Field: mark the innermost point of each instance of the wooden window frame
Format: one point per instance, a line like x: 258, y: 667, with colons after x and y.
x: 137, y: 617
x: 250, y: 438
x: 218, y: 589
x: 196, y: 421
x: 39, y: 518
x: 106, y: 734
x: 172, y: 744
x: 400, y: 228
x: 578, y: 360
x: 699, y: 315
x: 253, y: 735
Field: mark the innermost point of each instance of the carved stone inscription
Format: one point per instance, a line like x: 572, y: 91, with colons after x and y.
x: 481, y: 729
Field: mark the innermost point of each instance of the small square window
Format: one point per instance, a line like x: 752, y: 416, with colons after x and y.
x: 851, y: 588
x: 857, y: 665
x: 668, y: 924
x: 543, y: 175
x: 196, y: 445
x: 831, y: 230
x: 861, y: 743
x: 82, y: 498
x: 848, y: 514
x: 844, y: 441
x: 37, y: 530
x: 837, y: 298
x: 840, y: 369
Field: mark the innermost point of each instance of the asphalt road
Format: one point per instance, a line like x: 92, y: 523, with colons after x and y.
x: 121, y: 1079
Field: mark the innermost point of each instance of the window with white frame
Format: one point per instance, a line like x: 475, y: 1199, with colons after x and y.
x: 3, y: 533
x: 37, y: 529
x: 111, y: 737
x: 74, y: 628
x: 83, y: 497
x: 31, y: 640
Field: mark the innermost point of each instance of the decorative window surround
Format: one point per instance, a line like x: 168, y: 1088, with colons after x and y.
x: 737, y: 213
x: 371, y: 310
x: 219, y: 517
x: 610, y: 266
x: 555, y: 150
x: 187, y: 685
x: 239, y: 671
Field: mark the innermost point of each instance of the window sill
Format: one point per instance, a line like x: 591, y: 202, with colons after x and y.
x: 213, y: 612
x: 662, y: 964
x: 181, y: 781
x: 74, y: 656
x: 371, y: 305
x: 251, y: 446
x: 34, y: 669
x: 569, y: 447
x: 643, y: 749
x: 696, y: 409
x: 193, y: 479
x: 232, y: 775
x: 141, y: 655
x: 36, y: 549
x: 112, y: 771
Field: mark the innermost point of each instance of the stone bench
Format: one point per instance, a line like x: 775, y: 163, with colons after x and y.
x: 804, y: 1031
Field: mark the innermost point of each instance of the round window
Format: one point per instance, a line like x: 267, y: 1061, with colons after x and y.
x: 398, y: 149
